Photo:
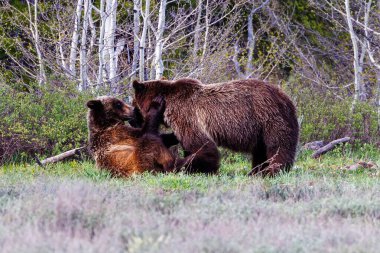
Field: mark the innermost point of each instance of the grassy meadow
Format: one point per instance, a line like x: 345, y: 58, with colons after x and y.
x: 73, y: 207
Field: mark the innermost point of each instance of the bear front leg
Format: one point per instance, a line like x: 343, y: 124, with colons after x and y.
x: 203, y: 158
x: 154, y: 116
x: 137, y: 120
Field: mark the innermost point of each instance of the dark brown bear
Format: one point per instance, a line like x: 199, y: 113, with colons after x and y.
x: 137, y: 120
x: 246, y: 116
x: 125, y: 150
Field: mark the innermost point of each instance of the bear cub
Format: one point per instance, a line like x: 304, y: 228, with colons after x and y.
x: 122, y: 149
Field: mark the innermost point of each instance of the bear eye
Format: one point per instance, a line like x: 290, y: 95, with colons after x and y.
x: 119, y: 105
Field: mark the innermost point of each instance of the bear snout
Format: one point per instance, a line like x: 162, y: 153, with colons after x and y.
x: 128, y: 112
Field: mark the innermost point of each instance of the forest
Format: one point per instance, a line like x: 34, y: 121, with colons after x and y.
x: 324, y: 54
x: 55, y: 55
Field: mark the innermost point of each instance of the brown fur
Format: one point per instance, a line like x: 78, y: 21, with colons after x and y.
x: 245, y: 116
x: 121, y: 149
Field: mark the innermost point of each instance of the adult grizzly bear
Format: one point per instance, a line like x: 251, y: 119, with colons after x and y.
x: 125, y: 150
x: 246, y: 116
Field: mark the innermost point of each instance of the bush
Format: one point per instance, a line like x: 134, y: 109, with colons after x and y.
x: 324, y: 117
x: 46, y: 121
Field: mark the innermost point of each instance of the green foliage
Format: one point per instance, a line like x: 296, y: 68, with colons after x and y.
x: 13, y: 41
x: 304, y: 13
x: 324, y: 117
x: 47, y: 121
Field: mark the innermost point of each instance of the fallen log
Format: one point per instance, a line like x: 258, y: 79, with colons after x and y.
x: 62, y: 156
x: 314, y: 145
x: 329, y: 147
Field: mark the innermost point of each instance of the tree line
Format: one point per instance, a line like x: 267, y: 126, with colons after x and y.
x: 316, y: 50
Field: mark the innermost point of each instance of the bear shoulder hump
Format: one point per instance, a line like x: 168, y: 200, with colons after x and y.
x: 187, y: 81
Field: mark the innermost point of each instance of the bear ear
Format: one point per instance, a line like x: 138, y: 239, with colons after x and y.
x: 94, y: 104
x: 138, y: 86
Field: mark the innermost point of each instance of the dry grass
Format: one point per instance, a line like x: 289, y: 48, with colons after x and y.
x: 312, y: 209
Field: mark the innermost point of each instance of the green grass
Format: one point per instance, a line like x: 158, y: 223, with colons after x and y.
x: 72, y: 206
x: 233, y: 172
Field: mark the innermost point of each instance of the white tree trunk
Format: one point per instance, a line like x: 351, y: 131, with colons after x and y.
x: 74, y: 39
x: 136, y: 30
x: 101, y: 44
x: 235, y: 60
x: 372, y: 58
x: 359, y: 94
x: 109, y: 35
x: 142, y: 41
x: 151, y: 71
x: 61, y: 52
x: 119, y: 48
x: 250, y: 44
x: 197, y: 29
x: 83, y: 48
x: 62, y: 57
x: 93, y: 31
x: 35, y: 34
x: 158, y: 64
x: 206, y: 31
x: 366, y: 28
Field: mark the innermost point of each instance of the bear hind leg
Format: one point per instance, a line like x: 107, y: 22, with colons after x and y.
x: 164, y: 159
x: 279, y: 159
x: 203, y: 159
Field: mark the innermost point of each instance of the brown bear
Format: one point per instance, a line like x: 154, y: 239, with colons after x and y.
x: 244, y: 115
x: 137, y: 120
x: 121, y: 149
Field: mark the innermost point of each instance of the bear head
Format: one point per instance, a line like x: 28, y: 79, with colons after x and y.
x: 108, y: 111
x: 145, y: 92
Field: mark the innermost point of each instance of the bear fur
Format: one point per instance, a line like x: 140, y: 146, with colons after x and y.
x: 169, y: 139
x: 244, y: 115
x: 121, y: 149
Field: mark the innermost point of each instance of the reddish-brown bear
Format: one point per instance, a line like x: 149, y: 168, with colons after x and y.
x: 121, y: 149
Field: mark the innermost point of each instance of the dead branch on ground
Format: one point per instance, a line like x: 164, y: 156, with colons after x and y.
x: 329, y: 147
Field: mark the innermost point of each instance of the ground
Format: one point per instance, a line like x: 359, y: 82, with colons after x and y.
x: 318, y: 207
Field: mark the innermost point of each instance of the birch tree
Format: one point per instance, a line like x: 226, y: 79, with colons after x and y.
x: 83, y: 51
x: 158, y: 64
x: 207, y: 16
x: 75, y: 37
x: 143, y: 39
x: 197, y: 29
x: 136, y: 29
x: 371, y: 56
x: 359, y: 94
x: 109, y: 48
x: 101, y: 42
x: 33, y: 21
x: 251, y: 44
x: 109, y: 39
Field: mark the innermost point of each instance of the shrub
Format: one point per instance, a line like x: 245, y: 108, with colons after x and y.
x: 324, y: 117
x: 46, y: 121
